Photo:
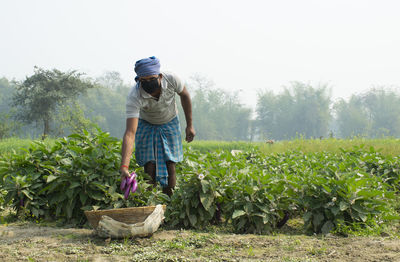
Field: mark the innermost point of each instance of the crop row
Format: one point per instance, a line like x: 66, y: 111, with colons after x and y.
x: 255, y: 191
x: 251, y: 191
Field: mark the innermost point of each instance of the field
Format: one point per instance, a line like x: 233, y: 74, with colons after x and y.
x: 31, y: 242
x: 364, y: 238
x: 388, y: 146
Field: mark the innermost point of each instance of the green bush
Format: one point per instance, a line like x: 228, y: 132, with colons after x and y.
x: 2, y: 194
x: 251, y: 191
x: 219, y: 185
x: 195, y: 200
x: 345, y: 198
x: 257, y: 199
x: 78, y: 173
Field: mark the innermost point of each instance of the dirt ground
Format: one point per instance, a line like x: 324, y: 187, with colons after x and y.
x: 32, y: 242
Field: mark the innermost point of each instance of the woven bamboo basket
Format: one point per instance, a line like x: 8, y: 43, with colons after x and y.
x: 130, y: 215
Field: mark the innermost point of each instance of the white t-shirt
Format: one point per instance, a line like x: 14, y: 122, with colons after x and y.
x: 142, y: 105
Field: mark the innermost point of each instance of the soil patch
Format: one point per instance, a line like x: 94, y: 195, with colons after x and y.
x: 43, y: 243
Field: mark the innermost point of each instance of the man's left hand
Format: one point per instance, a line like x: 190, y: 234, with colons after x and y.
x: 190, y: 133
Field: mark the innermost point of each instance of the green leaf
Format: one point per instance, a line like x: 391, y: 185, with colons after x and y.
x: 87, y: 208
x: 57, y: 199
x: 70, y: 193
x: 205, y: 185
x: 327, y: 188
x: 74, y: 184
x: 265, y: 220
x: 307, y: 216
x: 362, y: 216
x: 70, y: 208
x: 35, y: 212
x: 238, y: 213
x: 317, y: 219
x: 263, y: 208
x: 77, y: 136
x: 66, y: 161
x: 194, y: 201
x: 335, y: 210
x: 27, y: 194
x: 50, y: 178
x: 182, y: 214
x: 10, y: 195
x: 206, y: 200
x: 258, y: 214
x: 358, y: 208
x: 343, y: 205
x: 327, y: 227
x: 248, y: 208
x: 97, y: 196
x: 242, y: 222
x: 58, y: 209
x: 193, y: 220
x: 96, y: 185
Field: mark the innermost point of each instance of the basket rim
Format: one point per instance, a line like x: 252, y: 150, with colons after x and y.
x: 117, y: 209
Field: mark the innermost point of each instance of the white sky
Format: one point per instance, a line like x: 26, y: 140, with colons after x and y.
x: 352, y: 45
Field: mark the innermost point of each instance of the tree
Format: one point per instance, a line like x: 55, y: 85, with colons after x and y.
x: 298, y: 110
x: 267, y: 114
x: 352, y: 117
x: 373, y: 113
x: 201, y: 110
x: 111, y: 80
x: 71, y: 119
x: 8, y: 127
x: 383, y: 106
x: 106, y: 108
x: 38, y: 97
x: 7, y: 89
x: 311, y: 112
x: 218, y: 115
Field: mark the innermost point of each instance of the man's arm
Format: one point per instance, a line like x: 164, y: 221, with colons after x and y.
x: 127, y: 145
x: 187, y: 109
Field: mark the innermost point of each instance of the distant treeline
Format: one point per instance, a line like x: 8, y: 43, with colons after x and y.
x: 55, y: 103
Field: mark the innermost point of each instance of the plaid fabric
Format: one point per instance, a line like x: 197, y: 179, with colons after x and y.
x: 159, y: 143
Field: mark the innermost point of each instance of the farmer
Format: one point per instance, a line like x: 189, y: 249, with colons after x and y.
x: 153, y: 125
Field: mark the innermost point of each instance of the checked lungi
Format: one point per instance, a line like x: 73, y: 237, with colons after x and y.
x: 159, y: 144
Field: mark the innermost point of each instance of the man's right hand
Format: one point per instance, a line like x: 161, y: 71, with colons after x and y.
x: 124, y: 173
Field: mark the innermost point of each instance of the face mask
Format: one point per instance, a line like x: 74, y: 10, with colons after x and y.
x: 150, y: 86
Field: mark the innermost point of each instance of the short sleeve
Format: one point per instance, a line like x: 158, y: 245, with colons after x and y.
x: 133, y: 104
x: 178, y: 84
x: 175, y: 81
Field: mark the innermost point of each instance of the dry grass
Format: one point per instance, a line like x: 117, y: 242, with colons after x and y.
x: 387, y: 146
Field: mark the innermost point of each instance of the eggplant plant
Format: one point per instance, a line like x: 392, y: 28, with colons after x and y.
x: 252, y: 191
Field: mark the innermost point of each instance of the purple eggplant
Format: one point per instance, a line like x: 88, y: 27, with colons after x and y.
x: 133, y: 174
x: 130, y: 180
x: 123, y: 184
x: 134, y: 186
x: 127, y: 191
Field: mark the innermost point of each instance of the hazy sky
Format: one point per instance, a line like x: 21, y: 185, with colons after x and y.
x: 352, y: 45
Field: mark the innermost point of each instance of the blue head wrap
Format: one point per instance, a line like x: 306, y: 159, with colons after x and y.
x: 147, y: 66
